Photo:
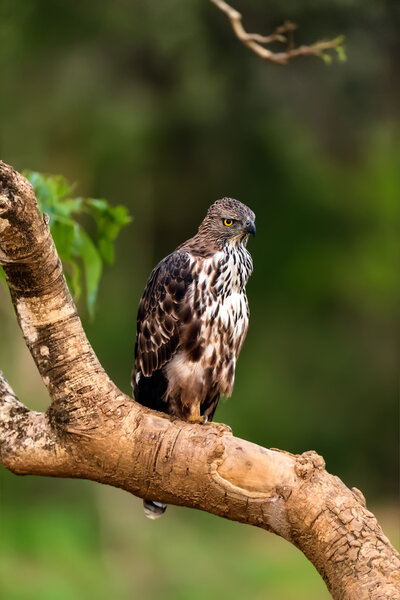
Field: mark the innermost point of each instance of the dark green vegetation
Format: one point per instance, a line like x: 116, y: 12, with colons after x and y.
x: 157, y: 107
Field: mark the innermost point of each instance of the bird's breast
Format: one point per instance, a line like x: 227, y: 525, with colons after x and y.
x: 220, y: 318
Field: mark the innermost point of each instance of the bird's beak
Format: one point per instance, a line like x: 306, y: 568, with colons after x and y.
x: 250, y: 228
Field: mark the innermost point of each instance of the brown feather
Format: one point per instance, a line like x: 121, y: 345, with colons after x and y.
x: 193, y: 317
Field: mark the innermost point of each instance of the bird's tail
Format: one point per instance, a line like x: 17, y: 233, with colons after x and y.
x: 153, y: 510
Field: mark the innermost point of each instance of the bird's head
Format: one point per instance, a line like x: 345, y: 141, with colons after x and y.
x: 228, y: 221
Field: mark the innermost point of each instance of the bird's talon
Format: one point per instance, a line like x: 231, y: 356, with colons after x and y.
x: 201, y: 420
x: 222, y: 426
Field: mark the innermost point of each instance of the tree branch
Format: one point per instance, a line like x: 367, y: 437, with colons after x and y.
x: 94, y: 431
x: 284, y: 34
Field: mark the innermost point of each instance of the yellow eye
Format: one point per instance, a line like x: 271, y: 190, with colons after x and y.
x: 228, y: 222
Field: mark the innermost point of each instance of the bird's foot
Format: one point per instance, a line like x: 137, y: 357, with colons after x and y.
x: 203, y: 420
x: 200, y: 419
x: 221, y: 426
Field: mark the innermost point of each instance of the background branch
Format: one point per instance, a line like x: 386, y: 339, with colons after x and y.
x: 94, y: 431
x: 283, y: 34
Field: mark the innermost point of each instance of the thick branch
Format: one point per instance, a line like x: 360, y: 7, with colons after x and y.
x: 284, y: 33
x: 94, y: 431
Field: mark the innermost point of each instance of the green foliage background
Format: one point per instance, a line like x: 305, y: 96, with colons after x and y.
x: 155, y: 106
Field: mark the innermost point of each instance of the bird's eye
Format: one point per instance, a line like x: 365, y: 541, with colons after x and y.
x: 228, y: 222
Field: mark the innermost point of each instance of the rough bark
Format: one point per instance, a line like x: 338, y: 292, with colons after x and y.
x: 94, y: 431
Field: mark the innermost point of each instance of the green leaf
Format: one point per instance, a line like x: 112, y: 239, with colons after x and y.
x: 341, y: 52
x: 106, y: 248
x: 109, y: 221
x: 75, y: 247
x: 327, y: 58
x: 63, y: 233
x: 50, y: 192
x: 83, y: 246
x: 73, y: 276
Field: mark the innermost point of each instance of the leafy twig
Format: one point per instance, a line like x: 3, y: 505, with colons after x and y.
x: 283, y: 34
x: 83, y: 255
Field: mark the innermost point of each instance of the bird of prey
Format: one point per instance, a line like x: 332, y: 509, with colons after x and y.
x: 193, y: 318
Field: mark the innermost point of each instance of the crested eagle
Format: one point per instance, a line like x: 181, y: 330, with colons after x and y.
x: 192, y: 320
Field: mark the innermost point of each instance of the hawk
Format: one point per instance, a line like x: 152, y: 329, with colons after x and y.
x: 192, y: 320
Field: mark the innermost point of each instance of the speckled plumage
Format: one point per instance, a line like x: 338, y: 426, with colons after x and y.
x: 193, y: 317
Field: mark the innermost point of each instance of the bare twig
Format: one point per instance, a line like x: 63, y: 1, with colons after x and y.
x: 283, y: 34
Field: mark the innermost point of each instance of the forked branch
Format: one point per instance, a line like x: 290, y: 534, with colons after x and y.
x: 94, y: 431
x: 284, y: 34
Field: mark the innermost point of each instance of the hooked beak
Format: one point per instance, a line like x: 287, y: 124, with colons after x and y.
x: 250, y: 228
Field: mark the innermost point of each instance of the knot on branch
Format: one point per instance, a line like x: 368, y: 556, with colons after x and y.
x: 5, y: 202
x: 359, y: 496
x: 13, y: 186
x: 10, y: 180
x: 284, y: 492
x: 307, y: 463
x: 18, y: 216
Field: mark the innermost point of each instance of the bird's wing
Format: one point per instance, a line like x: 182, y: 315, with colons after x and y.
x: 163, y: 309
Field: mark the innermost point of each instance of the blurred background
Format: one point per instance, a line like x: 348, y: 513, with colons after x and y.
x: 157, y: 106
